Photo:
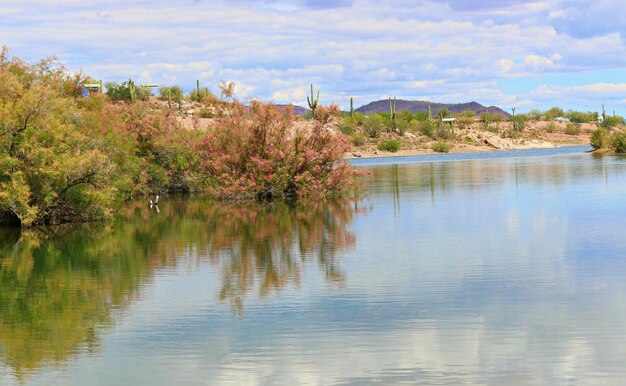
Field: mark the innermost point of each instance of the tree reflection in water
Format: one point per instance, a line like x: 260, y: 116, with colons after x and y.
x: 60, y: 286
x: 268, y: 243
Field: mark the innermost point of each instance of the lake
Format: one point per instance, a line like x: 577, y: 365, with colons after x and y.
x: 491, y: 268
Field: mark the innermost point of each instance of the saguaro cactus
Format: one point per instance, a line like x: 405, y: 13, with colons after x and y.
x: 430, y: 115
x: 392, y: 112
x: 516, y: 123
x: 198, y: 87
x: 351, y: 107
x: 603, y: 113
x: 169, y: 98
x: 133, y: 91
x: 313, y: 101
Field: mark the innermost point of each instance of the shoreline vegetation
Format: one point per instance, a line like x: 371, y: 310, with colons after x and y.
x: 66, y: 158
x: 466, y: 132
x: 69, y: 158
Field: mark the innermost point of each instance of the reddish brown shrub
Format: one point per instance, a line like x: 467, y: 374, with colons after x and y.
x: 261, y: 152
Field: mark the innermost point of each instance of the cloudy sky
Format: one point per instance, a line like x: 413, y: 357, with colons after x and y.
x: 527, y: 54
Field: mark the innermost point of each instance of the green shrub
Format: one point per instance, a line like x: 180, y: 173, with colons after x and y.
x: 551, y: 127
x: 464, y: 120
x: 374, y: 125
x: 486, y: 119
x: 511, y: 133
x: 175, y: 92
x: 358, y: 139
x: 572, y: 128
x: 519, y: 122
x: 122, y: 92
x: 582, y: 117
x: 406, y: 115
x: 554, y: 113
x: 444, y: 131
x: 355, y: 120
x: 346, y: 129
x: 441, y: 147
x: 421, y: 116
x: 535, y: 114
x: 490, y: 128
x: 471, y: 141
x: 204, y: 95
x: 618, y: 142
x: 427, y: 128
x: 391, y: 145
x: 205, y: 113
x: 443, y: 112
x: 610, y: 122
x: 599, y: 138
x: 402, y: 125
x: 466, y: 113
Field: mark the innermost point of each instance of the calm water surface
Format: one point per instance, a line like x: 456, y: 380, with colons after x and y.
x: 504, y: 268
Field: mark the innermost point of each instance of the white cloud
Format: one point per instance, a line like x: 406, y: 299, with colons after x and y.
x: 591, y: 91
x: 557, y: 14
x: 290, y: 95
x: 426, y: 83
x: 366, y: 48
x: 505, y: 65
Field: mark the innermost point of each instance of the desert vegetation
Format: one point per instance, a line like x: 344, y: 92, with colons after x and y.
x: 611, y: 140
x: 445, y: 131
x: 65, y: 158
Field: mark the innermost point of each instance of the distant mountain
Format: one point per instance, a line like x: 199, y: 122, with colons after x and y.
x: 382, y: 106
x: 297, y: 110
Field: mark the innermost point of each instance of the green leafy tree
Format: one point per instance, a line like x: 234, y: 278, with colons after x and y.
x: 535, y: 114
x: 553, y: 113
x: 50, y: 169
x: 582, y: 117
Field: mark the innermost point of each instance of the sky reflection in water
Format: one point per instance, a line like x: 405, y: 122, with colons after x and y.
x: 506, y: 270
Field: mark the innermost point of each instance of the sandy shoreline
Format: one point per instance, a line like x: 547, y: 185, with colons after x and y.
x: 473, y: 139
x: 462, y: 149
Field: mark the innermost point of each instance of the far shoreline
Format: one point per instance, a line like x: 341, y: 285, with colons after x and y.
x: 457, y: 150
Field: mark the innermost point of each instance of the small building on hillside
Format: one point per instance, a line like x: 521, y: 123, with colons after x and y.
x: 91, y: 88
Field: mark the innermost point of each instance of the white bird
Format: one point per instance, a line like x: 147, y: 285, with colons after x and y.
x: 156, y: 200
x: 151, y: 203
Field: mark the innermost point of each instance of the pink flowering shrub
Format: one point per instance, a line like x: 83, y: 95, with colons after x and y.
x: 154, y: 152
x: 261, y: 152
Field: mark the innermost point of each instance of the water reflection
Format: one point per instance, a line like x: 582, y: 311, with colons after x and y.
x: 501, y: 271
x: 265, y: 245
x: 60, y: 286
x: 442, y: 179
